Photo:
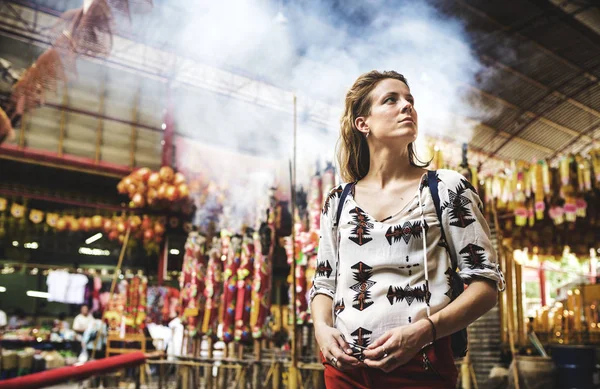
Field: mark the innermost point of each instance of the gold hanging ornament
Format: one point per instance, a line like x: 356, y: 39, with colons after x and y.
x: 3, y: 204
x: 36, y: 216
x: 17, y: 210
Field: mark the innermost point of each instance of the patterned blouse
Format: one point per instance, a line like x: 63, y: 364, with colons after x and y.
x: 374, y: 270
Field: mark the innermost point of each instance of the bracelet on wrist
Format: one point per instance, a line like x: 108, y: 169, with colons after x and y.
x: 433, y: 330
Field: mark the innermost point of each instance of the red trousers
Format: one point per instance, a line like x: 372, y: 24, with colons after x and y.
x: 412, y: 375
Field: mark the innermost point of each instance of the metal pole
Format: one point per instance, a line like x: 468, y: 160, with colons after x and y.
x: 293, y: 372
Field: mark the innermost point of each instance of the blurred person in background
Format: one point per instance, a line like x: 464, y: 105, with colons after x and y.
x: 83, y: 320
x: 61, y: 324
x: 94, y: 337
x: 18, y: 320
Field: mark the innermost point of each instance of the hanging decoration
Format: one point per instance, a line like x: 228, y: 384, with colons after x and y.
x: 163, y: 189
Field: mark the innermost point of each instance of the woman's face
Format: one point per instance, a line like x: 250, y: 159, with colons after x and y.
x: 393, y: 114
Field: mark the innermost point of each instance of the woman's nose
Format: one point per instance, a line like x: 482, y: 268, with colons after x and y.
x: 407, y: 108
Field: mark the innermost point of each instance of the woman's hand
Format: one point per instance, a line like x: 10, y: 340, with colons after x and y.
x: 334, y: 347
x: 398, y: 346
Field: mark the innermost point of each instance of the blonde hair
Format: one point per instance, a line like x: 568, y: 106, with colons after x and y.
x: 353, y: 150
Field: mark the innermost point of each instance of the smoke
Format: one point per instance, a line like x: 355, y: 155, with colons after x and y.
x: 317, y: 54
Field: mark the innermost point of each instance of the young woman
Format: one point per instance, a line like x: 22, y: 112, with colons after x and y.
x: 382, y: 301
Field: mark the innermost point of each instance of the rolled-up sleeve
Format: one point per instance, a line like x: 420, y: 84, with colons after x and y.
x: 467, y: 232
x: 325, y: 273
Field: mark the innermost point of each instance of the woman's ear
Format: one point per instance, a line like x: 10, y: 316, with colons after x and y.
x: 361, y: 125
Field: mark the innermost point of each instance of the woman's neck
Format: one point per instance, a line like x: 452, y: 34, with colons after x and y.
x: 388, y: 165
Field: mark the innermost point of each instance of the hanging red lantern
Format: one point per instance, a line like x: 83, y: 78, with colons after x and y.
x: 127, y: 181
x: 166, y: 174
x: 73, y: 224
x: 121, y: 226
x: 171, y: 193
x: 61, y: 224
x: 148, y: 234
x: 154, y: 180
x: 162, y: 191
x: 184, y: 191
x: 97, y: 221
x: 138, y: 200
x: 146, y: 223
x: 108, y: 225
x: 178, y: 179
x: 134, y: 222
x: 143, y: 174
x: 121, y: 188
x: 113, y: 235
x: 159, y: 228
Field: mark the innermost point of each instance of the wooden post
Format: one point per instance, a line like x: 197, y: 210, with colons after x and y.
x: 508, y: 279
x: 118, y: 269
x: 208, y: 381
x: 63, y: 123
x: 133, y: 136
x: 519, y: 301
x: 100, y: 125
x: 222, y: 372
x: 293, y: 372
x: 257, y: 364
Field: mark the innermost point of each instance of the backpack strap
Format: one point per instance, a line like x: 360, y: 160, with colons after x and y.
x: 435, y: 195
x: 341, y: 203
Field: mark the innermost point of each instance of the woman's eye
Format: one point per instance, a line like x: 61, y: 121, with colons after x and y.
x: 392, y: 99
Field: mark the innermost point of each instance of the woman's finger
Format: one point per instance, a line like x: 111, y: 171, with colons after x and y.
x: 380, y: 352
x: 342, y: 357
x: 379, y: 341
x: 342, y: 343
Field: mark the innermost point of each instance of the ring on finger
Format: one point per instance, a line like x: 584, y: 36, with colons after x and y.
x: 385, y: 354
x: 333, y: 360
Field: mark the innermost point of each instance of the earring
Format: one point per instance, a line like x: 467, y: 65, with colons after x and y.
x: 367, y: 135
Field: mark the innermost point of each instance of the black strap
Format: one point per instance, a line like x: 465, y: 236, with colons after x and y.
x: 341, y: 203
x: 435, y: 195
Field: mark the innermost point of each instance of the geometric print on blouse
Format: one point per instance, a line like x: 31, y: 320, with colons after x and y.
x: 339, y: 307
x: 362, y: 227
x: 336, y: 192
x: 362, y: 336
x: 474, y: 256
x: 324, y: 269
x: 459, y: 213
x: 405, y: 232
x: 409, y: 267
x: 363, y: 273
x: 409, y: 294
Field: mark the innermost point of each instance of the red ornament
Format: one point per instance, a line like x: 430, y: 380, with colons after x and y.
x: 184, y: 191
x: 162, y: 191
x: 113, y: 235
x: 178, y: 179
x: 121, y: 226
x: 143, y: 174
x: 159, y: 228
x: 171, y: 193
x: 154, y: 180
x: 85, y: 223
x: 138, y: 200
x: 97, y: 221
x: 108, y: 225
x: 146, y: 223
x: 166, y: 174
x: 61, y: 224
x: 148, y: 234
